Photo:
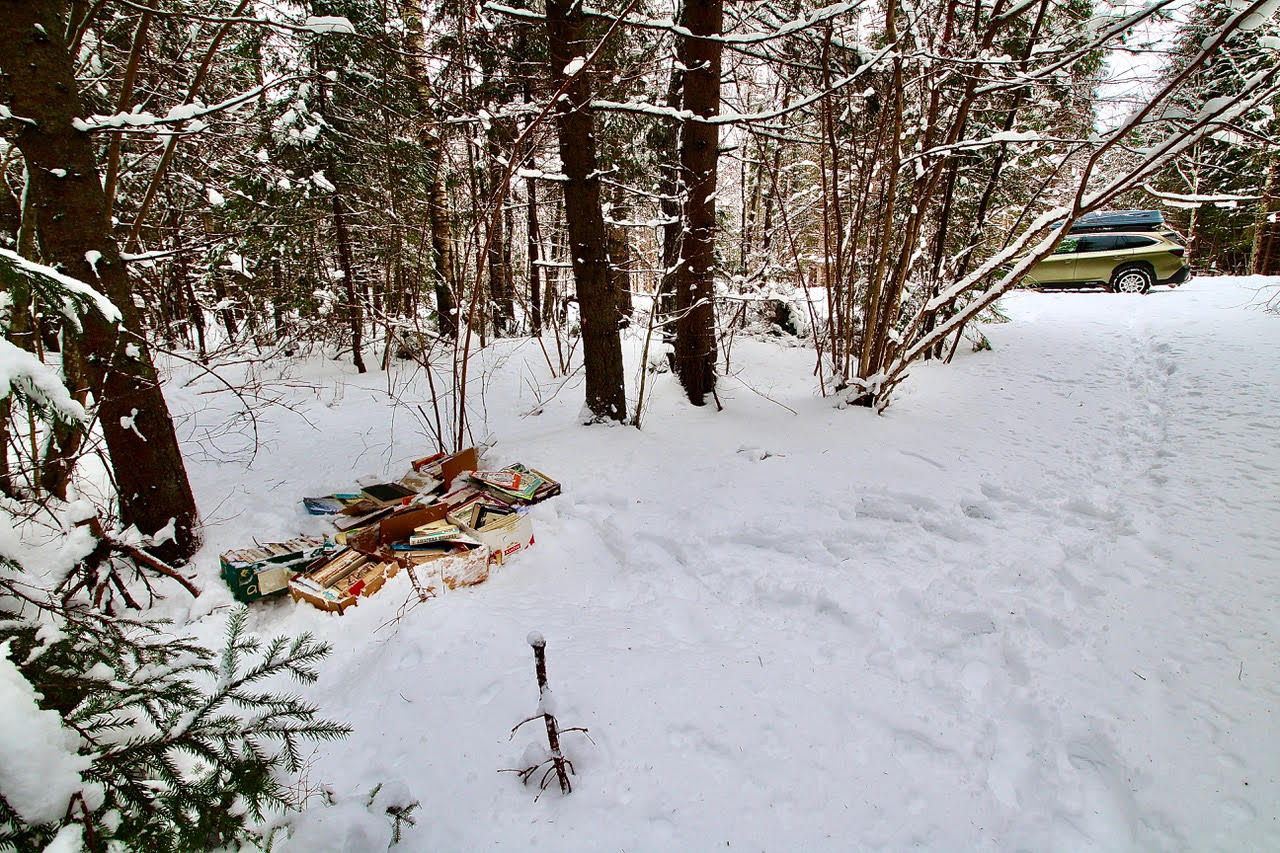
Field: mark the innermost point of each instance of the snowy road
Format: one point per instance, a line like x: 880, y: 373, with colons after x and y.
x: 1034, y: 606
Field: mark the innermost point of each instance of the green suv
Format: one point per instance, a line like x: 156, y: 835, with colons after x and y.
x: 1125, y: 251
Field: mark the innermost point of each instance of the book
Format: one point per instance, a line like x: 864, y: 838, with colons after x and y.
x: 440, y: 546
x: 433, y: 532
x: 532, y: 487
x: 351, y: 522
x: 502, y: 479
x: 387, y: 493
x: 421, y: 484
x: 324, y: 505
x: 485, y: 514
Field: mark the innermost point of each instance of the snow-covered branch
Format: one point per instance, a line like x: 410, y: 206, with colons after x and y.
x: 146, y: 122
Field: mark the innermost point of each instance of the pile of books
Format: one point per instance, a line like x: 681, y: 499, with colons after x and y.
x: 517, y: 484
x: 446, y: 520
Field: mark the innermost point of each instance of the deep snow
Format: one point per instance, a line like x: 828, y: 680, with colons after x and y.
x: 1032, y: 606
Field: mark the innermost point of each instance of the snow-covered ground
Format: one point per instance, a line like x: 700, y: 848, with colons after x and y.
x: 1033, y: 606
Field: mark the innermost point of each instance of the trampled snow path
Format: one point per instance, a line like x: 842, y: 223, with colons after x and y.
x: 1031, y: 607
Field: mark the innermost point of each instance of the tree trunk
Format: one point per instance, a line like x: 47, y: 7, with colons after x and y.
x: 664, y: 138
x: 70, y: 213
x: 695, y: 346
x: 1266, y: 228
x: 437, y: 200
x: 621, y: 260
x: 346, y: 263
x: 535, y: 277
x: 442, y: 252
x: 501, y: 291
x: 601, y: 346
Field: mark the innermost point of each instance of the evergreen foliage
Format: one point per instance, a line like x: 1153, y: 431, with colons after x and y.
x: 1233, y: 163
x: 188, y: 750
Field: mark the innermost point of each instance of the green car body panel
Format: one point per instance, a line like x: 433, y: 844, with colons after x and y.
x: 1100, y: 259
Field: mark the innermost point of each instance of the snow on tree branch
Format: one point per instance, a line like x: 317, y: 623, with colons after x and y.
x: 146, y: 122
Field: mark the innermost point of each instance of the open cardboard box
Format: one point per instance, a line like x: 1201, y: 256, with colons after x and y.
x: 506, y: 530
x: 336, y: 582
x: 363, y: 567
x: 467, y: 564
x: 264, y: 570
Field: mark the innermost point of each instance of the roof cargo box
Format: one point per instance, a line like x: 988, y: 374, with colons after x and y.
x: 1117, y: 220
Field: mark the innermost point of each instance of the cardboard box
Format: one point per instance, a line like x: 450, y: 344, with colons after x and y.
x: 264, y: 570
x: 446, y: 466
x: 466, y: 565
x: 506, y: 530
x: 397, y: 526
x: 338, y: 581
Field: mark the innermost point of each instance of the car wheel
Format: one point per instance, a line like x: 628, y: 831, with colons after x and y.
x: 1132, y: 280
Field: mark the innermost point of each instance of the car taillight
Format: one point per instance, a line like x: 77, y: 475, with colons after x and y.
x: 1178, y: 252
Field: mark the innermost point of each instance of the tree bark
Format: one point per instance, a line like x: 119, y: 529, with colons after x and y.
x: 444, y: 283
x: 621, y: 260
x: 664, y: 138
x: 501, y: 288
x: 535, y: 278
x: 695, y: 345
x: 346, y: 263
x: 601, y: 345
x: 70, y: 213
x: 442, y: 252
x: 1266, y: 228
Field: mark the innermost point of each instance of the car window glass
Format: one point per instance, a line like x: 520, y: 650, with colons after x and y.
x: 1067, y: 246
x: 1135, y: 242
x: 1097, y: 243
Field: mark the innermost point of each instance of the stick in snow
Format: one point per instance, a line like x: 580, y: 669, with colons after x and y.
x: 557, y: 763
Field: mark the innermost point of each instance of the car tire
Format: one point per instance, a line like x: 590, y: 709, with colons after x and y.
x: 1133, y: 279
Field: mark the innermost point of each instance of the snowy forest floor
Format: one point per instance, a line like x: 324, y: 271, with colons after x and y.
x: 1033, y: 606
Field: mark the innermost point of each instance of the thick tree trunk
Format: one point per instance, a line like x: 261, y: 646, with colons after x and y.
x: 501, y: 288
x: 535, y: 277
x: 442, y: 254
x: 1266, y: 228
x: 695, y: 346
x: 346, y: 263
x: 444, y: 284
x: 601, y: 346
x: 665, y: 140
x: 621, y: 260
x: 70, y: 213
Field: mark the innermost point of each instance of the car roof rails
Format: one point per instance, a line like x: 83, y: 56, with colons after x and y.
x: 1116, y: 220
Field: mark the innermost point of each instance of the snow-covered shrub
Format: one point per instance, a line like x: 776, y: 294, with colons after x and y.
x: 143, y: 738
x: 114, y: 733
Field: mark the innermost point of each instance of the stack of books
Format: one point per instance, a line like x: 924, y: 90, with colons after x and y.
x: 435, y: 531
x: 517, y: 483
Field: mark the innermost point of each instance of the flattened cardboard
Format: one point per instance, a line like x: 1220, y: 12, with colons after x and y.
x: 450, y: 465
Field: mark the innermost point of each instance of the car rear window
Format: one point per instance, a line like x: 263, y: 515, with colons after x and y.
x: 1135, y: 242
